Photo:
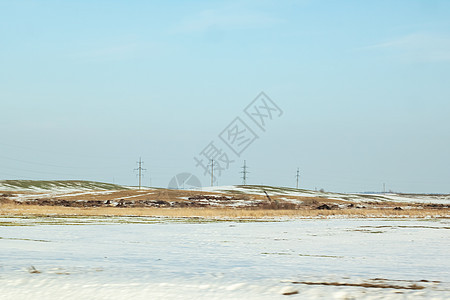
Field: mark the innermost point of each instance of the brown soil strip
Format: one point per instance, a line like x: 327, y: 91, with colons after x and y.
x: 365, y: 285
x: 290, y: 293
x: 423, y: 280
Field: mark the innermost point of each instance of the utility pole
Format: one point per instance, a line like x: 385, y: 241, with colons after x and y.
x: 244, y: 173
x: 212, y: 172
x: 298, y: 176
x: 384, y: 188
x: 140, y: 169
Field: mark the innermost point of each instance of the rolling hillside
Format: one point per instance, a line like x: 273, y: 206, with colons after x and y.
x: 57, y: 185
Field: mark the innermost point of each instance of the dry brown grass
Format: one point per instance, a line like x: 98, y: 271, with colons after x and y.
x: 23, y: 210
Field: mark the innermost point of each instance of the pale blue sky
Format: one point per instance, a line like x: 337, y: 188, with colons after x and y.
x: 86, y: 87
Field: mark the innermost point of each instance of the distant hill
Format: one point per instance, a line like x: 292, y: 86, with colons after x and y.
x: 57, y: 185
x: 353, y: 197
x: 277, y: 193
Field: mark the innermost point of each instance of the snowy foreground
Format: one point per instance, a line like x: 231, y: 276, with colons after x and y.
x: 157, y: 258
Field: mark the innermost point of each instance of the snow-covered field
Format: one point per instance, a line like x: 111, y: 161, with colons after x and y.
x: 160, y: 258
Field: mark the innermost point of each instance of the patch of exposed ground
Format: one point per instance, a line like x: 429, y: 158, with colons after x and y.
x: 365, y: 285
x: 138, y: 202
x: 380, y: 283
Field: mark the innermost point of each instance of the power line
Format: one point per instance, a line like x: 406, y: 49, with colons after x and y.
x: 59, y: 153
x: 140, y: 169
x: 17, y: 176
x: 51, y: 165
x: 39, y: 172
x: 244, y: 173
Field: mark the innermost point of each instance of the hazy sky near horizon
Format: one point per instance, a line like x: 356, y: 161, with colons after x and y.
x: 88, y: 87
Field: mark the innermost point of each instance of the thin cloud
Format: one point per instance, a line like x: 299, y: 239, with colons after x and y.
x: 108, y: 53
x: 222, y: 20
x: 419, y: 47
